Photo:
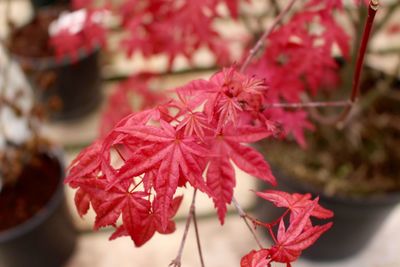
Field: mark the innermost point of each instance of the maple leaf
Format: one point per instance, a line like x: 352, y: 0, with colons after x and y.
x: 82, y: 201
x: 86, y: 164
x: 259, y: 258
x: 115, y: 202
x: 221, y: 181
x: 172, y: 154
x: 151, y: 223
x: 295, y: 202
x: 227, y: 146
x: 293, y: 122
x: 298, y: 236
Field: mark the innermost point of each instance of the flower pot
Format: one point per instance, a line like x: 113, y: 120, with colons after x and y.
x: 68, y: 88
x: 43, y: 3
x: 355, y: 222
x: 48, y: 237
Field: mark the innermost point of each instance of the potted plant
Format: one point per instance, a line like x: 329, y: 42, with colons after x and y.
x: 54, y: 71
x: 129, y: 177
x: 351, y: 167
x: 35, y: 226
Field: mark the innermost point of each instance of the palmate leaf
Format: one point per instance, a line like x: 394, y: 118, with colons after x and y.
x: 82, y: 201
x: 151, y: 224
x: 295, y: 202
x: 290, y: 242
x: 298, y: 236
x: 86, y: 164
x: 226, y: 147
x: 110, y: 204
x: 259, y: 258
x: 170, y: 153
x: 221, y: 182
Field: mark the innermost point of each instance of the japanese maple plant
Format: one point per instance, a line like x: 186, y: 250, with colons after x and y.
x: 131, y: 175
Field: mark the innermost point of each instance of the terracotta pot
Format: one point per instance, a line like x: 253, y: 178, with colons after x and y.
x: 45, y: 240
x: 355, y: 222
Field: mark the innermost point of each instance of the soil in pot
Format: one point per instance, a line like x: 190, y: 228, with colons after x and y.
x: 355, y: 171
x: 31, y: 191
x: 36, y: 229
x: 67, y: 88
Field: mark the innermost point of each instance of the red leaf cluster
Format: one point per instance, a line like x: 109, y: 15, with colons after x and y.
x: 134, y: 171
x: 299, y: 235
x: 299, y: 59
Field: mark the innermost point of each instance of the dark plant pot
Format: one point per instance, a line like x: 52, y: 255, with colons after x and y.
x: 69, y: 89
x: 355, y: 222
x: 45, y: 240
x: 43, y: 3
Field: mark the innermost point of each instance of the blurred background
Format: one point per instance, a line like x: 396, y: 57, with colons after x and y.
x: 78, y: 119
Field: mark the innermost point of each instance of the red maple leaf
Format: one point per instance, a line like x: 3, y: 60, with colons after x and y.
x: 296, y: 203
x: 120, y: 200
x: 290, y: 242
x: 259, y: 258
x: 151, y: 223
x: 227, y: 146
x: 171, y: 153
x: 297, y: 237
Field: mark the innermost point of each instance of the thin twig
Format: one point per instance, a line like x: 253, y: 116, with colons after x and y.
x: 196, y: 229
x: 261, y: 40
x: 177, y: 261
x: 243, y: 214
x: 341, y: 103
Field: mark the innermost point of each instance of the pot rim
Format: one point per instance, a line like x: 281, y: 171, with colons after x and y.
x: 47, y: 210
x: 43, y: 63
x: 382, y: 199
x: 48, y: 62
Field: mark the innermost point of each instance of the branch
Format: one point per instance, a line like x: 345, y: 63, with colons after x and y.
x: 341, y: 103
x: 372, y: 9
x: 243, y: 214
x: 177, y: 261
x: 196, y: 229
x: 261, y: 40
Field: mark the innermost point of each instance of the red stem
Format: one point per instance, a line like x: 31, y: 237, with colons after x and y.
x: 372, y: 9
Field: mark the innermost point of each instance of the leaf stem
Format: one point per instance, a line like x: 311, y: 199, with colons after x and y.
x: 259, y: 44
x: 177, y: 261
x: 243, y: 214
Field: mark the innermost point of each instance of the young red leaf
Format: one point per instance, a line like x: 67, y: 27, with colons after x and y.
x: 295, y: 202
x: 221, y: 181
x: 259, y: 258
x: 297, y: 237
x: 82, y: 202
